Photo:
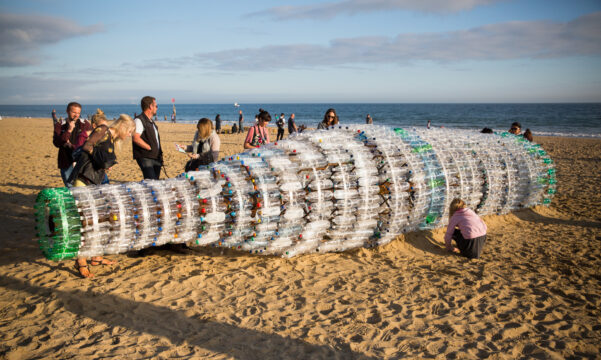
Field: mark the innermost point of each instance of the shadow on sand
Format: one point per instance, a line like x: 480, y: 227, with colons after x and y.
x: 179, y: 328
x: 532, y: 216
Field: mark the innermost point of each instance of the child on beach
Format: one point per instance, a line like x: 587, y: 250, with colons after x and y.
x: 470, y: 234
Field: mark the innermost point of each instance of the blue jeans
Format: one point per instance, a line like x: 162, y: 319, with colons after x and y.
x: 65, y: 173
x: 151, y: 168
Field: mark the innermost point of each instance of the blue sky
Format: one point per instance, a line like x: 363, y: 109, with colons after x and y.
x: 399, y: 51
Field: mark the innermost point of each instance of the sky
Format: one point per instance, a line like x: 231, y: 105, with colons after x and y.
x: 339, y: 51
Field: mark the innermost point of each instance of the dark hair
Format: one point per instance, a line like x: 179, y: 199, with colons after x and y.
x: 528, y: 135
x: 325, y: 117
x: 146, y: 102
x: 264, y: 115
x: 73, y: 104
x: 486, y: 131
x: 516, y: 124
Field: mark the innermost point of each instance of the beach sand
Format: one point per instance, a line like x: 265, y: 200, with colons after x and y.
x: 535, y: 292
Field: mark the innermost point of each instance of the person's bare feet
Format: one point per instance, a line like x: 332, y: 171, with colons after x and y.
x: 82, y: 267
x: 95, y: 261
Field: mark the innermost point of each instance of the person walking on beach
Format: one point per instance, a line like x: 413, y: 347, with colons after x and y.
x: 291, y: 125
x: 369, y: 120
x: 280, y: 123
x: 467, y: 229
x: 329, y: 119
x: 146, y: 142
x: 240, y: 123
x: 258, y: 134
x: 218, y: 124
x: 66, y: 137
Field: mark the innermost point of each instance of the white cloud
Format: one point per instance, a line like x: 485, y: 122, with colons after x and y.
x: 351, y: 7
x: 503, y: 41
x: 21, y: 36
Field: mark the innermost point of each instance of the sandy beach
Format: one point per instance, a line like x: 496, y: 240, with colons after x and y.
x: 534, y: 293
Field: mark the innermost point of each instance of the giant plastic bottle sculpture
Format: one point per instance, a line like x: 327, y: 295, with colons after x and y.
x: 318, y: 191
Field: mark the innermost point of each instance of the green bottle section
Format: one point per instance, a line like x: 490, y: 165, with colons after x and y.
x: 58, y: 224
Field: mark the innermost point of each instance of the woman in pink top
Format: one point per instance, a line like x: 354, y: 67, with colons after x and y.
x: 470, y: 234
x: 258, y: 135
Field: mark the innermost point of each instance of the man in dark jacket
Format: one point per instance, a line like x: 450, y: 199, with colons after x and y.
x: 66, y: 138
x: 146, y: 142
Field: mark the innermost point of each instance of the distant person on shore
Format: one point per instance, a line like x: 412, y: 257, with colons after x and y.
x: 467, y: 229
x: 368, y: 120
x: 258, y: 134
x: 173, y: 119
x: 516, y: 128
x: 54, y: 118
x: 146, y: 142
x: 66, y: 137
x: 91, y: 172
x: 280, y: 123
x: 291, y: 125
x: 487, y: 131
x: 528, y: 135
x: 330, y: 118
x: 218, y: 124
x: 205, y: 146
x: 428, y: 125
x: 240, y: 123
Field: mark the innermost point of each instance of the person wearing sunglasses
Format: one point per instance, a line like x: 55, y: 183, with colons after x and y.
x: 516, y: 128
x: 329, y: 119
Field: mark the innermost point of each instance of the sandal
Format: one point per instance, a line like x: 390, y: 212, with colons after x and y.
x: 83, y: 273
x: 102, y: 261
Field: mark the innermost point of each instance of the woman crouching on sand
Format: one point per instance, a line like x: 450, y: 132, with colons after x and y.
x: 470, y: 234
x: 91, y: 167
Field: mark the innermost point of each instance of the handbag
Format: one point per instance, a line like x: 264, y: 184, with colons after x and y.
x: 257, y: 138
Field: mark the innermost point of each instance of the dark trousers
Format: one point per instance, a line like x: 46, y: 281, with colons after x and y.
x: 240, y: 127
x: 280, y: 134
x: 151, y: 168
x: 470, y: 248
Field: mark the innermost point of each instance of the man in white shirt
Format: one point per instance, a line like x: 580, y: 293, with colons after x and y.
x: 146, y: 142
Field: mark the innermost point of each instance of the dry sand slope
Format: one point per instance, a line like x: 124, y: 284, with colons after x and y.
x: 536, y: 291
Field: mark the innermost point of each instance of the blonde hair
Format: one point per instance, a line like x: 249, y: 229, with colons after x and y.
x: 456, y: 204
x: 98, y: 118
x: 123, y: 127
x: 205, y: 128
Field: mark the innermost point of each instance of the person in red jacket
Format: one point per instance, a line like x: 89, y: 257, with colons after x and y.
x: 66, y: 138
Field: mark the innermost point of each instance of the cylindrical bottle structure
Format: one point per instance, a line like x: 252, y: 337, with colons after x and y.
x: 318, y: 191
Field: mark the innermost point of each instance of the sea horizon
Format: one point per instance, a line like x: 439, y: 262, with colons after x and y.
x: 573, y: 119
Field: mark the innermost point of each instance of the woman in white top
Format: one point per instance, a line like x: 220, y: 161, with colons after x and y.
x: 205, y: 145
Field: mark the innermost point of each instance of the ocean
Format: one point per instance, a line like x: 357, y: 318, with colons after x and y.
x: 573, y: 120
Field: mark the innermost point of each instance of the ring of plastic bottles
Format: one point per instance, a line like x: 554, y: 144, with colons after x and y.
x: 317, y: 191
